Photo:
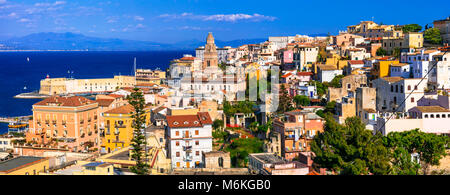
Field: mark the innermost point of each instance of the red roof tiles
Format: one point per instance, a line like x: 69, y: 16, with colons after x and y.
x: 181, y: 121
x: 72, y: 101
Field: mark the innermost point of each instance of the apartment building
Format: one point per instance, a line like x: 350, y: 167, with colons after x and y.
x: 392, y: 91
x: 70, y: 121
x: 188, y: 137
x: 297, y: 129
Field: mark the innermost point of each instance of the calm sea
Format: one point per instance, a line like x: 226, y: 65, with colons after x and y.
x: 16, y: 72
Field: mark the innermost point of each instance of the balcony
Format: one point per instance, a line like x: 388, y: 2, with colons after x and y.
x: 116, y: 132
x: 187, y: 158
x: 63, y: 122
x: 54, y: 122
x: 95, y: 117
x: 187, y: 148
x: 89, y: 133
x: 47, y: 122
x: 120, y: 126
x: 89, y: 120
x: 81, y: 121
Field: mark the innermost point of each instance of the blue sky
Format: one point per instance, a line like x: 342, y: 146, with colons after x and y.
x: 169, y: 21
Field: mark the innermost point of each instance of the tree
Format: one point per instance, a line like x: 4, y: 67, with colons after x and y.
x: 240, y: 148
x: 336, y: 82
x: 411, y: 28
x: 396, y: 53
x: 136, y: 99
x: 430, y: 148
x: 350, y: 149
x: 432, y: 35
x: 218, y: 124
x: 381, y: 52
x: 301, y: 100
x: 253, y: 126
x: 321, y: 88
x: 285, y: 102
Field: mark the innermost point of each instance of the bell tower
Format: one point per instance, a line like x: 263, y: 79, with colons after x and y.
x: 210, y: 55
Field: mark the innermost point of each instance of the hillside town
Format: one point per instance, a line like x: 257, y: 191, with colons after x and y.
x: 273, y: 108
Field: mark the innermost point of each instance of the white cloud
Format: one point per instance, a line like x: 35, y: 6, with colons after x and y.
x: 2, y: 1
x: 138, y: 18
x: 220, y: 17
x: 23, y: 20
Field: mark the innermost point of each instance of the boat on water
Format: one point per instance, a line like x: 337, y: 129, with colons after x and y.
x: 32, y: 95
x: 28, y: 59
x: 17, y: 125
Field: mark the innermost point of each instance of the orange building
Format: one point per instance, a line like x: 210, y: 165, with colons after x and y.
x: 297, y: 130
x: 70, y: 122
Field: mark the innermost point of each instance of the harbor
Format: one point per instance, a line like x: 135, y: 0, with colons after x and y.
x: 18, y: 124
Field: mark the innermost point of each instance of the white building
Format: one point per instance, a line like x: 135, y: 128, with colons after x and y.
x: 305, y: 55
x: 400, y: 70
x: 326, y: 73
x: 392, y: 91
x: 429, y: 119
x: 189, y: 136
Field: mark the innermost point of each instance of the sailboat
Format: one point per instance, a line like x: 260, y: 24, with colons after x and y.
x: 28, y: 59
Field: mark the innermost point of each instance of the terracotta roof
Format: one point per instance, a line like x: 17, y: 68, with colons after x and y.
x: 304, y: 73
x: 104, y: 102
x: 115, y: 95
x: 286, y: 75
x: 187, y: 58
x: 159, y: 109
x: 432, y: 109
x: 180, y: 121
x: 392, y: 79
x: 327, y: 67
x: 71, y: 101
x: 370, y: 110
x: 126, y: 109
x: 356, y: 62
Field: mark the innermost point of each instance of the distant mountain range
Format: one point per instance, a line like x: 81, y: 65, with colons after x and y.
x: 72, y: 41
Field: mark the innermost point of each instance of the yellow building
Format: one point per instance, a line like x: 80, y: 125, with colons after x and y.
x: 118, y: 131
x: 182, y: 111
x: 24, y: 165
x: 56, y: 86
x: 147, y: 76
x: 381, y: 68
x: 409, y: 40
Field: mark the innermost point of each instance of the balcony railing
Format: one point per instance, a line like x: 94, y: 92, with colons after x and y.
x: 47, y: 122
x: 120, y: 126
x: 187, y: 148
x: 54, y: 122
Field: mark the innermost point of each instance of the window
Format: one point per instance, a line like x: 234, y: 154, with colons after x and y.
x: 178, y: 154
x: 426, y: 115
x: 196, y: 132
x: 412, y: 99
x: 177, y: 133
x: 409, y: 87
x: 196, y: 143
x: 431, y: 115
x: 177, y: 143
x: 178, y: 164
x: 197, y: 153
